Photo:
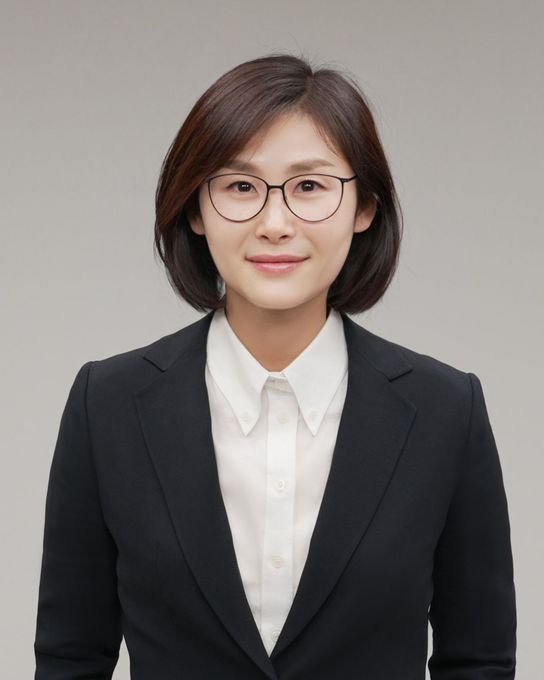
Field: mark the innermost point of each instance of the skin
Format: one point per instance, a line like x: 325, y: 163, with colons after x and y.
x: 276, y: 316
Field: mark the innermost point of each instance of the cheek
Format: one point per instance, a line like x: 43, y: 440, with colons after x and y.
x: 226, y: 250
x: 223, y: 239
x: 333, y: 245
x: 334, y: 263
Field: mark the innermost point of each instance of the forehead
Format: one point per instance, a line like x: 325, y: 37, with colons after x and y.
x: 290, y: 143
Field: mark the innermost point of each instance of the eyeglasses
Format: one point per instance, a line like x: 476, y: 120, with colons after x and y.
x: 311, y: 197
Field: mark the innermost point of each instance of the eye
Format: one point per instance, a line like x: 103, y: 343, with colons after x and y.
x: 240, y: 184
x: 308, y: 183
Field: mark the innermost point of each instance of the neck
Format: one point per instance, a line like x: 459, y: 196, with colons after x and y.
x: 275, y: 337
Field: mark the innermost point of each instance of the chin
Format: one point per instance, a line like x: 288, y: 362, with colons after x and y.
x: 277, y: 305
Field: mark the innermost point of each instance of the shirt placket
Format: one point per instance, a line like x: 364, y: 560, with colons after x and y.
x: 277, y: 563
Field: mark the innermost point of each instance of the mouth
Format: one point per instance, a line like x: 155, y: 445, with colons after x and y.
x: 278, y: 267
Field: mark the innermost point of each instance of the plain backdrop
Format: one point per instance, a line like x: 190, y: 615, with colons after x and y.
x: 93, y: 93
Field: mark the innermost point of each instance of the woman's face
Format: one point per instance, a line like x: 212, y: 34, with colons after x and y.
x: 291, y: 139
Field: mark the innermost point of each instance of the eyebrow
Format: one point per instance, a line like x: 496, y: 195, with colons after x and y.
x: 300, y: 166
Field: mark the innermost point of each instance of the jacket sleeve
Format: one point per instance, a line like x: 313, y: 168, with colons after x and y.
x: 78, y: 625
x: 473, y: 610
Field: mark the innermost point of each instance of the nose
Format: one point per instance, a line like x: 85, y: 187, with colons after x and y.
x: 275, y: 203
x: 275, y: 219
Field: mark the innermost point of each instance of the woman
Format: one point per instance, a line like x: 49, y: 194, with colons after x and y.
x: 274, y: 491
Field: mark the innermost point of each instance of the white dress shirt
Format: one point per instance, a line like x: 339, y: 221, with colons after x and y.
x: 273, y: 449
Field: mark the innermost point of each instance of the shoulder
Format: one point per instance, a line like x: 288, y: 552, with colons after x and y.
x: 134, y: 368
x: 419, y: 376
x: 413, y: 372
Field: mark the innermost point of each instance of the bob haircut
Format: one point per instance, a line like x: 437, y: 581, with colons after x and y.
x: 235, y: 108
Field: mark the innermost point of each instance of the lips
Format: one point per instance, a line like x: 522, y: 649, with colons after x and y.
x: 276, y: 258
x: 278, y: 267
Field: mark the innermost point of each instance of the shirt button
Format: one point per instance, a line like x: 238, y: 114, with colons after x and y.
x: 283, y: 417
x: 277, y: 561
x: 275, y: 635
x: 280, y: 484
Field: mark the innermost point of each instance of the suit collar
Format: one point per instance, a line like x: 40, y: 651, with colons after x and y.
x: 383, y: 355
x: 176, y: 425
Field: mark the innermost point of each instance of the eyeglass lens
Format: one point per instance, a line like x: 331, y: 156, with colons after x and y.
x: 311, y: 197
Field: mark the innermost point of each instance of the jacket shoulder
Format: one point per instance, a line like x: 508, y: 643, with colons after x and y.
x: 134, y: 368
x: 441, y: 391
x: 415, y: 370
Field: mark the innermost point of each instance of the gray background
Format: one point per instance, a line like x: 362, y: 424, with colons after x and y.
x: 92, y: 95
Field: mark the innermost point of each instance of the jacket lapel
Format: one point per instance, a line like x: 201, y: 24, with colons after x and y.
x: 175, y: 419
x: 373, y: 428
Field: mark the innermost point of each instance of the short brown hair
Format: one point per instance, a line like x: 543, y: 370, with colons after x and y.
x: 223, y: 120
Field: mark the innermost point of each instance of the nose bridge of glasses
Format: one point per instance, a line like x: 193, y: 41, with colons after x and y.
x: 281, y: 187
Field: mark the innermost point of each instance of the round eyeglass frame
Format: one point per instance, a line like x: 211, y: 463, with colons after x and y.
x: 343, y: 180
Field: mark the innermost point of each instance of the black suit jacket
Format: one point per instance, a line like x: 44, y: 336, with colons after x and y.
x: 413, y: 527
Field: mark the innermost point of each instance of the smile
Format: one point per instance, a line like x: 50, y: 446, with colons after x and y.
x: 277, y: 267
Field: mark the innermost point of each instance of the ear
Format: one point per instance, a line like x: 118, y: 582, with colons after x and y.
x: 365, y: 215
x: 196, y: 223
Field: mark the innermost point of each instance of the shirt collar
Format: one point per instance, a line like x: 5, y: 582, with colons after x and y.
x: 314, y: 376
